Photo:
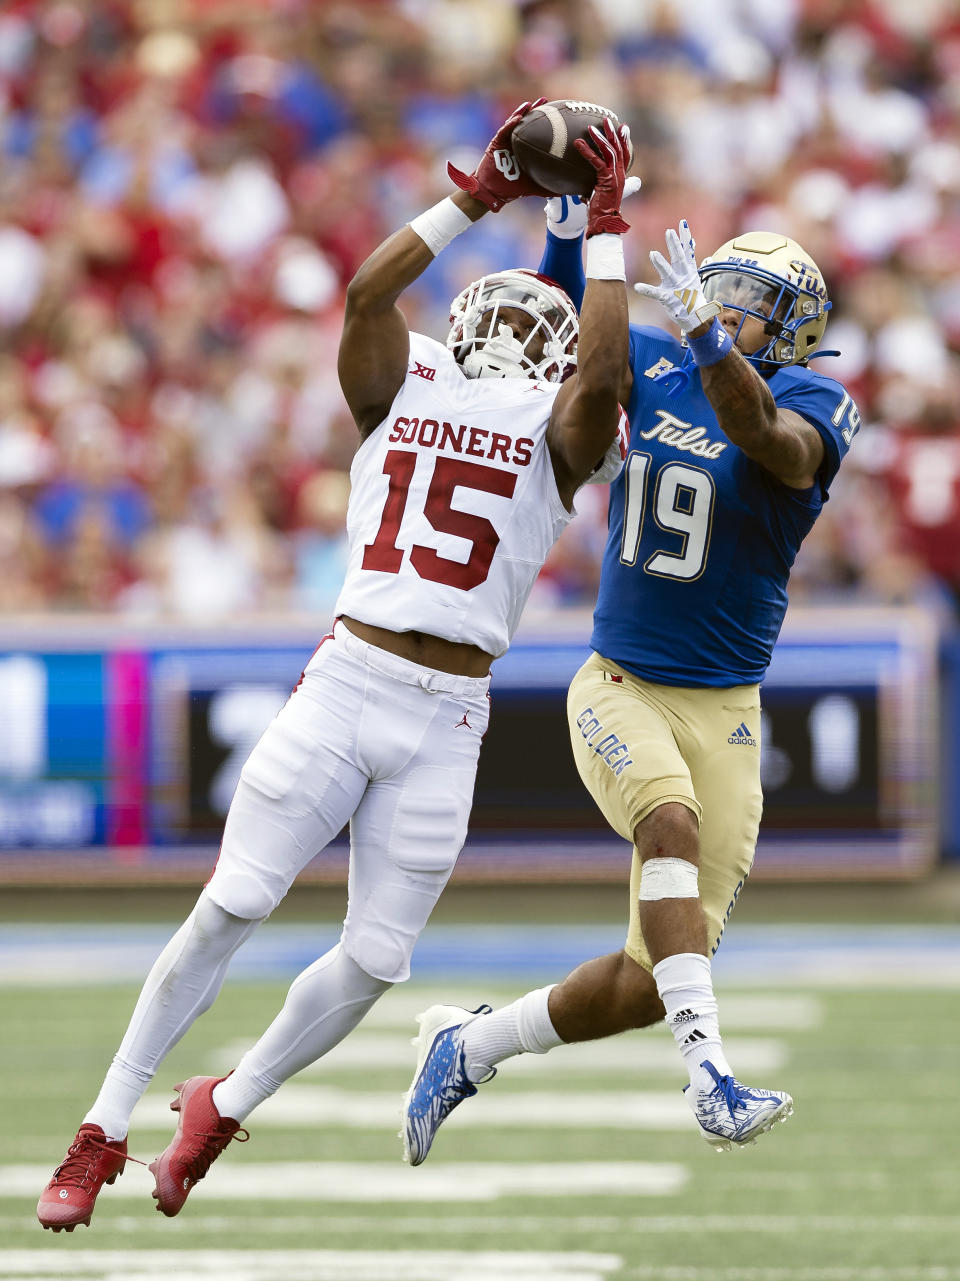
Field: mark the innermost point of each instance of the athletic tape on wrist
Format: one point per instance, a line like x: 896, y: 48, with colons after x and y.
x: 605, y: 257
x: 439, y: 225
x: 668, y: 878
x: 712, y: 346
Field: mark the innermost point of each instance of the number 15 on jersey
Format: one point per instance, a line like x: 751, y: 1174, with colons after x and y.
x: 384, y: 555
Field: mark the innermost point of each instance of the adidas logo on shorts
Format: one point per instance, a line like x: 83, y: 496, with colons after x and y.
x: 741, y: 737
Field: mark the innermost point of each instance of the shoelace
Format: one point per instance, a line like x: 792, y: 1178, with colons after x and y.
x: 85, y: 1148
x: 213, y: 1144
x: 454, y: 1093
x: 732, y: 1093
x: 727, y: 1087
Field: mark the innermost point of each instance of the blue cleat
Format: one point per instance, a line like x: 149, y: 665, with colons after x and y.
x: 440, y: 1081
x: 731, y: 1115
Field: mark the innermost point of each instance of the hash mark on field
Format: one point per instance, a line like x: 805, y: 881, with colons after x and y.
x: 309, y: 1265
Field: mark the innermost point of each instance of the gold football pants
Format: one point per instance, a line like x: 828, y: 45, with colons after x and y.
x: 638, y: 745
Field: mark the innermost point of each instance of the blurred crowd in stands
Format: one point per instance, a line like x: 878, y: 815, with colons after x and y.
x: 187, y: 186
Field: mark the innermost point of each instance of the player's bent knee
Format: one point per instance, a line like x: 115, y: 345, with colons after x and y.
x: 211, y: 920
x: 671, y: 823
x: 356, y: 980
x: 242, y: 895
x: 378, y: 953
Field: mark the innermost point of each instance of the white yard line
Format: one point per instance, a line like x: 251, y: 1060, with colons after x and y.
x: 308, y: 1265
x: 328, y: 1181
x: 743, y: 1010
x: 319, y: 1223
x: 413, y: 1265
x: 933, y: 1272
x: 333, y: 1108
x: 629, y: 1055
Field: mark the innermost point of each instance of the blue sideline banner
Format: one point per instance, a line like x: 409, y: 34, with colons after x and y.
x: 122, y: 747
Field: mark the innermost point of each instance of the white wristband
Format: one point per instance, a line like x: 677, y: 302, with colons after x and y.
x: 439, y: 225
x: 605, y: 258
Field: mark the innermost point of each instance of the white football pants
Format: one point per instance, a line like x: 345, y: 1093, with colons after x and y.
x: 384, y: 744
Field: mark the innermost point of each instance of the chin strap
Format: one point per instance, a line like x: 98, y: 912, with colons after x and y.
x: 500, y: 357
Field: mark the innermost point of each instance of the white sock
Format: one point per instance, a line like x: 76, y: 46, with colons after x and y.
x: 324, y: 1004
x: 122, y: 1089
x: 686, y: 989
x: 183, y: 982
x: 523, y: 1027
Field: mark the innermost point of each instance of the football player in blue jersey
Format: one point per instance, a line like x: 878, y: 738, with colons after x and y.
x: 734, y: 442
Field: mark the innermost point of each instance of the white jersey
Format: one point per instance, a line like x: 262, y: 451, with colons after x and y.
x: 453, y: 505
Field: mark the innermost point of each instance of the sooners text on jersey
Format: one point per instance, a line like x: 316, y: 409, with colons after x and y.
x: 453, y: 506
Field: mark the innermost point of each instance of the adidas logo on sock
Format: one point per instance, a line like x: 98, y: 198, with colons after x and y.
x: 695, y: 1035
x: 741, y: 737
x: 683, y: 1016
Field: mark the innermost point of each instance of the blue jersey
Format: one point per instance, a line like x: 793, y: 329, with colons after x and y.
x: 693, y: 588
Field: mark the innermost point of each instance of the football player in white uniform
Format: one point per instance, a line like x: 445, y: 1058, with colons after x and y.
x: 470, y: 456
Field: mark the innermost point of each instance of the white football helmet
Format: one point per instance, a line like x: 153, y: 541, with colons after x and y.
x: 768, y: 276
x: 487, y: 347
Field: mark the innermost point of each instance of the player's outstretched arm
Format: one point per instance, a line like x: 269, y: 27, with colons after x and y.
x: 783, y: 442
x: 587, y: 409
x: 375, y: 344
x: 562, y: 257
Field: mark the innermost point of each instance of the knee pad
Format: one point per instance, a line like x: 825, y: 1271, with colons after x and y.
x: 378, y: 952
x: 241, y: 895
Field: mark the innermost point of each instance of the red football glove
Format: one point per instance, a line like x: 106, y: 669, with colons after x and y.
x: 609, y: 153
x: 498, y: 178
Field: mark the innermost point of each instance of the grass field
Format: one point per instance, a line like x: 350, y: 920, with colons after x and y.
x: 581, y: 1166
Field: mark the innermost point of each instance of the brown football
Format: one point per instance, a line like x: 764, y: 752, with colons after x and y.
x: 543, y: 145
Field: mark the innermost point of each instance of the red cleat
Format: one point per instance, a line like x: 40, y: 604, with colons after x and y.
x: 69, y: 1197
x: 202, y: 1134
